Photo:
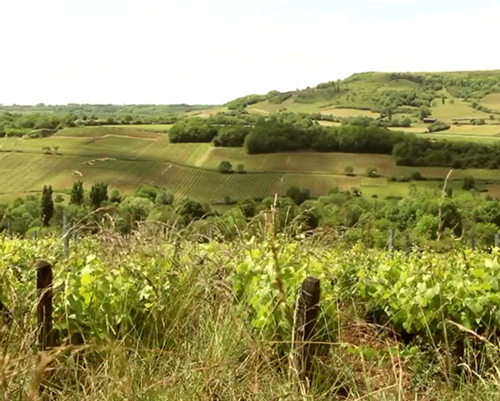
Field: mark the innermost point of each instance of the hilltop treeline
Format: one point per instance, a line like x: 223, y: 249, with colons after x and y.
x: 380, y: 92
x: 20, y: 120
x: 289, y: 132
x: 459, y: 84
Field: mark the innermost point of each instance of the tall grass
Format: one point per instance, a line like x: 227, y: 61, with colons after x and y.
x: 199, y: 344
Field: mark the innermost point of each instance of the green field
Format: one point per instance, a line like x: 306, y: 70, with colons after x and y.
x: 492, y: 101
x: 266, y: 107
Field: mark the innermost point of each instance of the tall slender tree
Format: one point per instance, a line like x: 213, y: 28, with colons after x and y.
x: 77, y: 195
x: 98, y: 194
x: 47, y: 205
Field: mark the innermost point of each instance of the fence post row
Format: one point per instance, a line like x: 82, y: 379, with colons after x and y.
x: 306, y: 314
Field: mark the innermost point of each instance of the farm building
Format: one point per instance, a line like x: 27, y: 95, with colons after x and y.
x: 429, y: 120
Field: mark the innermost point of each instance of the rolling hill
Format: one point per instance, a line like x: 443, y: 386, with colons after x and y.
x: 127, y: 156
x: 473, y: 94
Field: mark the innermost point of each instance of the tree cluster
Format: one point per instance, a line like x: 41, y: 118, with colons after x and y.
x: 415, y: 151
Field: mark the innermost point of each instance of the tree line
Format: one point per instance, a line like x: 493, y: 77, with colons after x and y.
x: 426, y: 216
x: 281, y: 132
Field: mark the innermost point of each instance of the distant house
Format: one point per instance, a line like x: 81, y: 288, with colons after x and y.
x: 429, y: 120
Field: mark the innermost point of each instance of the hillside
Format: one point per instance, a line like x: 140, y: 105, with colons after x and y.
x: 449, y: 95
x: 128, y: 157
x: 132, y: 149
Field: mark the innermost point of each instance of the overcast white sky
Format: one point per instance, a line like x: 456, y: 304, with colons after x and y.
x: 211, y: 51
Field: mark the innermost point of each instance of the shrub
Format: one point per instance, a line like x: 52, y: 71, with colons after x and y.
x: 438, y: 126
x: 417, y: 176
x: 225, y: 167
x: 372, y: 172
x: 298, y: 195
x: 469, y: 183
x: 349, y: 171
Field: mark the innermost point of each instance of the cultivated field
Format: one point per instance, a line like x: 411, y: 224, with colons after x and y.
x: 190, y: 170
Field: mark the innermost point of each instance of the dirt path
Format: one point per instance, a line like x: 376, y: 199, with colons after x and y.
x: 203, y: 158
x: 260, y: 111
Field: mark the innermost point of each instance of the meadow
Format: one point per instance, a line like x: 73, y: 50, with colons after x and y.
x: 492, y: 101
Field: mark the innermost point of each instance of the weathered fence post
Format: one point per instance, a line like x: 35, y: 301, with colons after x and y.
x: 497, y: 240
x: 46, y: 338
x: 392, y: 235
x: 408, y: 243
x: 9, y: 227
x: 35, y: 235
x: 66, y: 236
x: 44, y: 306
x: 5, y: 313
x: 306, y: 314
x: 472, y: 242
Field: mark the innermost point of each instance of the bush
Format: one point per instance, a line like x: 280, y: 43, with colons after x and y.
x: 417, y: 176
x: 225, y: 167
x: 349, y: 171
x: 438, y: 126
x: 299, y: 196
x: 469, y: 183
x: 372, y: 172
x: 147, y: 192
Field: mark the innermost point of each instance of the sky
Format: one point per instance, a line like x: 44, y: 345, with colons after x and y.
x: 212, y: 51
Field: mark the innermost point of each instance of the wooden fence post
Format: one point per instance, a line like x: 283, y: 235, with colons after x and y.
x: 392, y: 236
x: 66, y: 228
x: 306, y: 314
x: 5, y: 313
x: 497, y: 240
x: 472, y: 242
x: 408, y: 243
x: 44, y: 306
